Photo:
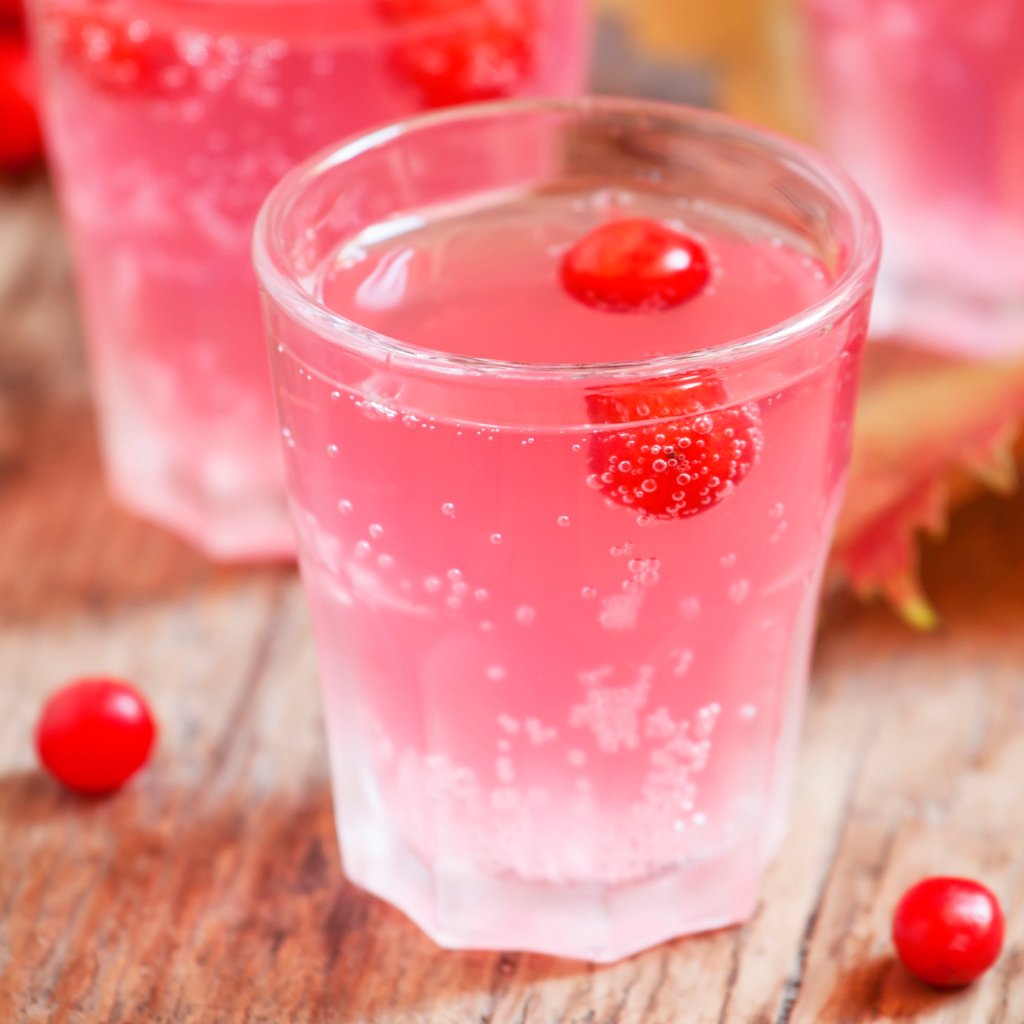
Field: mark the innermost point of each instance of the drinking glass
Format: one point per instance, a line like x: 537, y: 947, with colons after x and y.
x: 562, y: 702
x: 168, y: 123
x: 923, y: 102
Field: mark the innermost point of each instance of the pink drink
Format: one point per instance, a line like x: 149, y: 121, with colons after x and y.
x: 557, y: 721
x: 923, y: 100
x: 169, y: 122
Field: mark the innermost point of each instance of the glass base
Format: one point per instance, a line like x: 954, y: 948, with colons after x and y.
x: 225, y: 526
x: 461, y: 907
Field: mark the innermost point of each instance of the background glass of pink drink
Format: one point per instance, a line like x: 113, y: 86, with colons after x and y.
x: 169, y: 121
x: 923, y: 101
x: 558, y: 722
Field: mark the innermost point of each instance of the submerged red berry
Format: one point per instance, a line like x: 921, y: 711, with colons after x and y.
x: 695, y: 449
x: 129, y: 57
x: 94, y: 734
x: 948, y: 931
x: 464, y: 51
x: 634, y: 266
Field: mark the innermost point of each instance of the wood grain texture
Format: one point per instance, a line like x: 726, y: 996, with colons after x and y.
x: 210, y: 890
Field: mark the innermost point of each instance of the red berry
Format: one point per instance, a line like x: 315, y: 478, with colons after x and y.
x: 11, y: 13
x: 21, y: 141
x: 634, y: 266
x: 422, y: 10
x: 464, y: 51
x: 691, y: 457
x: 94, y: 734
x: 117, y: 56
x: 948, y: 931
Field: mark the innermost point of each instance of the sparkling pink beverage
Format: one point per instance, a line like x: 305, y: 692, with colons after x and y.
x: 169, y: 121
x: 562, y: 697
x: 923, y: 101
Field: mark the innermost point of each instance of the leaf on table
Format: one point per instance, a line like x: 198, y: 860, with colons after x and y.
x: 931, y: 431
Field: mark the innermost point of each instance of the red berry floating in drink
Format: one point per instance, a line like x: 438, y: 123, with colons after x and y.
x: 948, y: 931
x: 635, y: 266
x: 95, y: 734
x: 697, y: 447
x: 464, y: 51
x: 21, y: 141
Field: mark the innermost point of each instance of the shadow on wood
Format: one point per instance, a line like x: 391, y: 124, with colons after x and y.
x: 880, y: 989
x: 151, y: 905
x: 68, y: 548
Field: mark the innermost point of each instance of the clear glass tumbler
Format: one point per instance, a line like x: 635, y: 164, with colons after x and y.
x: 169, y: 121
x: 562, y: 697
x: 923, y: 101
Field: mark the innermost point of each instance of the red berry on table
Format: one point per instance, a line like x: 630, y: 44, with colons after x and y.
x: 948, y: 931
x: 94, y: 734
x: 464, y: 51
x: 635, y: 266
x: 21, y: 141
x: 693, y: 454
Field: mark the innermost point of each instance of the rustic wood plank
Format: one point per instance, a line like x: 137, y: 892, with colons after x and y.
x: 211, y: 891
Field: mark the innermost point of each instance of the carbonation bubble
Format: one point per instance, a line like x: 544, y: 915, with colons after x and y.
x: 448, y: 509
x: 496, y: 538
x: 525, y: 615
x: 564, y: 521
x: 344, y: 506
x: 376, y: 530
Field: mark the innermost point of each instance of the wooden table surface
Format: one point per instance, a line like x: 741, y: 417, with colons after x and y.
x: 210, y: 890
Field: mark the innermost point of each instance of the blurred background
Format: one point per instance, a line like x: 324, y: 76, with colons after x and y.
x: 742, y: 56
x: 925, y: 107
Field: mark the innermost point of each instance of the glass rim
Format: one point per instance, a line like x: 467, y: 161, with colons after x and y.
x: 282, y: 286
